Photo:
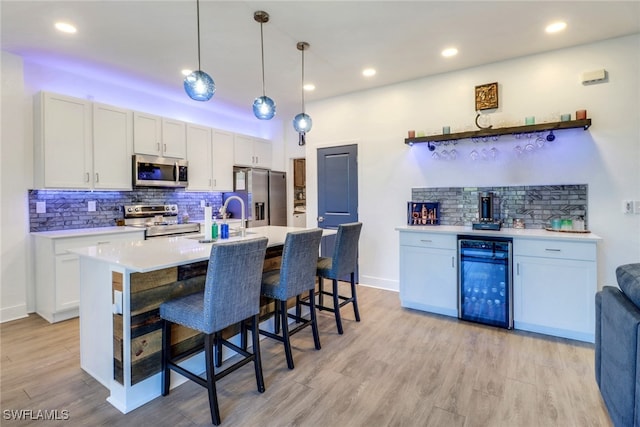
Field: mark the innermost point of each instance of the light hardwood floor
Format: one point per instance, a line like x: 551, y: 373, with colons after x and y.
x: 397, y: 367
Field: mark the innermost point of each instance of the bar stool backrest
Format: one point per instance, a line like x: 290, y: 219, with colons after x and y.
x: 345, y: 253
x: 299, y: 259
x: 232, y: 284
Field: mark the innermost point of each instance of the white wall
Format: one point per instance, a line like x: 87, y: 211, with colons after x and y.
x: 607, y: 157
x: 16, y: 159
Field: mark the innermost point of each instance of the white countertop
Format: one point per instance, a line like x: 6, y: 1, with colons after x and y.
x: 523, y: 233
x: 81, y: 232
x: 154, y: 254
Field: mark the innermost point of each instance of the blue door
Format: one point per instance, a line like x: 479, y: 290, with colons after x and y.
x: 337, y: 189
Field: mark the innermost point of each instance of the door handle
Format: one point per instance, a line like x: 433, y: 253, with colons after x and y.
x: 320, y: 219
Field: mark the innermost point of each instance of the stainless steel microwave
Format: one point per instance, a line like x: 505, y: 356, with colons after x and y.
x: 152, y: 171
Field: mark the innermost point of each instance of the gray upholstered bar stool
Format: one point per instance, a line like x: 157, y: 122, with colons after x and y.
x: 297, y: 275
x: 231, y: 295
x: 343, y: 262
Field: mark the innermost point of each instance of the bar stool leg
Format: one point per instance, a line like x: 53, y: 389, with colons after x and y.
x: 276, y: 317
x: 257, y: 357
x: 243, y: 335
x: 218, y: 346
x: 355, y: 297
x: 320, y: 294
x: 336, y: 306
x: 209, y: 345
x: 166, y: 355
x: 285, y: 334
x: 314, y: 320
x: 299, y: 308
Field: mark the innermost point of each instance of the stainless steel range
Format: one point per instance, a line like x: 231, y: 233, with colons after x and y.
x: 158, y: 220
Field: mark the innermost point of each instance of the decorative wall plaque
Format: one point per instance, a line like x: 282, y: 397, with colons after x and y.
x: 487, y: 96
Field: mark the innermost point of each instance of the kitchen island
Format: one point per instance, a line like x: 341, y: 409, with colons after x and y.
x: 121, y: 287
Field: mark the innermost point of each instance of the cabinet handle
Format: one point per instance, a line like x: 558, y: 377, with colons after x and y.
x: 452, y: 262
x: 97, y: 177
x: 87, y: 177
x: 103, y: 243
x: 165, y: 148
x: 517, y: 269
x: 425, y: 241
x: 553, y: 250
x: 157, y: 146
x: 257, y: 160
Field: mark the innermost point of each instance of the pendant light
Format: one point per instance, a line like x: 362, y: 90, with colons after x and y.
x: 264, y: 107
x: 302, y: 122
x: 199, y: 85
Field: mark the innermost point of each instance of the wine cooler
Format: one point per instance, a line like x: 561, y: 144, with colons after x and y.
x: 485, y: 290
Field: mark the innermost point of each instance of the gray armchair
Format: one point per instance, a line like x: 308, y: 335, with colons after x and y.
x: 617, y: 346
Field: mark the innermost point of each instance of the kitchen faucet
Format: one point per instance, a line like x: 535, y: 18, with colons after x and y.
x: 223, y: 211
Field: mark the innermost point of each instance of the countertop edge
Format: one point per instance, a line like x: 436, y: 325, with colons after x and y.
x: 83, y: 232
x: 532, y: 233
x: 150, y: 255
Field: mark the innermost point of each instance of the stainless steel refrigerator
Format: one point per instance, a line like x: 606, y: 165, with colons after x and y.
x: 264, y: 194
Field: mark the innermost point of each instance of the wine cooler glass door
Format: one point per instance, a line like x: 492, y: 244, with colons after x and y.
x: 484, y: 281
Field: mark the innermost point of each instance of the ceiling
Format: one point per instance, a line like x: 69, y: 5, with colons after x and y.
x: 147, y: 43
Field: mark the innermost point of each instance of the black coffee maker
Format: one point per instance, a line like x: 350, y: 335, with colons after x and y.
x: 488, y: 208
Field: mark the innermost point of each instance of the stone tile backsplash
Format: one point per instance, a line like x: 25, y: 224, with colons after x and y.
x: 69, y: 209
x: 536, y: 205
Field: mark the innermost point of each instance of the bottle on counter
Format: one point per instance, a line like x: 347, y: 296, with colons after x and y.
x: 224, y: 230
x: 214, y: 230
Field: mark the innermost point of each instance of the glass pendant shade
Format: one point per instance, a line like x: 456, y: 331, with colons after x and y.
x: 264, y: 108
x: 199, y: 86
x: 302, y: 123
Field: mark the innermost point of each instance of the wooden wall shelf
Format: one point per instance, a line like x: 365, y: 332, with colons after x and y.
x: 571, y: 124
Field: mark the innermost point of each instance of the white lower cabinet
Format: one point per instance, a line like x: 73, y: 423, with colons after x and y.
x: 428, y: 278
x: 554, y: 281
x: 554, y: 287
x: 57, y: 273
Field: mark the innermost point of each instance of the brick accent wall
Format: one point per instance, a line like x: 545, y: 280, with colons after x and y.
x: 536, y: 205
x: 68, y: 209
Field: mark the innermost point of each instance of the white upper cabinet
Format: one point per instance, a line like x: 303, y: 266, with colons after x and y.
x: 199, y: 155
x: 210, y: 155
x: 174, y: 138
x: 252, y: 152
x: 263, y: 152
x: 222, y: 160
x: 147, y: 134
x: 157, y: 136
x: 81, y: 145
x: 112, y: 147
x: 63, y: 149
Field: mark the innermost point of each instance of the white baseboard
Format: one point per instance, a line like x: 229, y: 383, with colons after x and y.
x: 13, y: 313
x: 379, y: 282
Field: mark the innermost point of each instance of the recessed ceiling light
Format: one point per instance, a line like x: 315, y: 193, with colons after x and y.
x: 369, y: 72
x: 555, y: 27
x: 450, y: 51
x: 186, y: 72
x: 309, y: 87
x: 65, y: 27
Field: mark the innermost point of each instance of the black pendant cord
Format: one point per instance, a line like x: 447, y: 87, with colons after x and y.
x: 198, y: 26
x: 303, y: 79
x: 262, y: 51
